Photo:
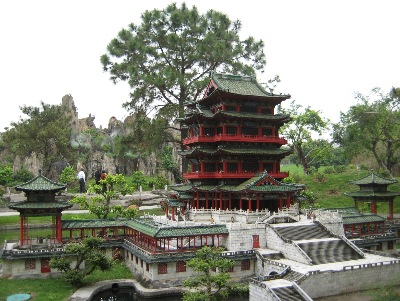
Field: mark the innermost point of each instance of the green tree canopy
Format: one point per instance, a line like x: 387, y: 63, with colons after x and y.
x: 167, y: 58
x: 100, y: 202
x: 372, y: 126
x: 46, y: 132
x: 87, y: 252
x: 305, y: 122
x: 212, y: 281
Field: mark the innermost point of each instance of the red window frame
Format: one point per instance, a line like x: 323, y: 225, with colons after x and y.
x: 162, y: 268
x: 30, y: 264
x: 180, y: 266
x: 245, y: 265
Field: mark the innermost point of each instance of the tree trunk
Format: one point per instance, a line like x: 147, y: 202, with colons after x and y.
x: 302, y: 158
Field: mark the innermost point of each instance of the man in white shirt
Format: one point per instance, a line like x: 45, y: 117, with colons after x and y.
x: 81, y: 179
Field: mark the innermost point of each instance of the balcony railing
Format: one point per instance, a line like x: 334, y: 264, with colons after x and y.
x: 234, y: 137
x: 230, y: 175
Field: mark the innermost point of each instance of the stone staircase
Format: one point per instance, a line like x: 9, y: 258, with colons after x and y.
x: 288, y: 293
x: 303, y: 232
x: 292, y: 276
x: 329, y: 251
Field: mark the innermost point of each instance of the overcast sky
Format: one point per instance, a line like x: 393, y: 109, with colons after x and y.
x: 323, y: 51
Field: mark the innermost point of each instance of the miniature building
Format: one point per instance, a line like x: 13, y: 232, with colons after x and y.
x: 373, y: 189
x: 233, y: 149
x: 29, y: 255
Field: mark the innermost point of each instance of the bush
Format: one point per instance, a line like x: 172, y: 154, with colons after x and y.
x: 22, y: 176
x: 329, y: 170
x: 6, y: 175
x: 340, y: 168
x: 320, y: 176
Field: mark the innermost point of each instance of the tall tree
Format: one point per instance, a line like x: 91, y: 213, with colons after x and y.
x: 168, y: 57
x: 46, y: 132
x: 372, y: 126
x: 305, y: 122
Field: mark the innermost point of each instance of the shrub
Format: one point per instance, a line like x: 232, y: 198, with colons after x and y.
x: 6, y: 175
x: 329, y: 170
x: 22, y: 176
x: 340, y: 168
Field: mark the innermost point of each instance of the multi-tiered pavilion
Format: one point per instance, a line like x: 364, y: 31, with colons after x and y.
x: 233, y: 149
x: 41, y: 200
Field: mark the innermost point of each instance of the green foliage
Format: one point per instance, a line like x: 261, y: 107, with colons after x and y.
x: 68, y: 175
x: 370, y: 128
x: 88, y: 252
x: 299, y: 132
x: 209, y: 285
x: 160, y: 182
x: 6, y: 175
x: 138, y: 179
x: 22, y: 176
x: 169, y: 164
x: 108, y: 189
x: 146, y: 57
x: 46, y: 131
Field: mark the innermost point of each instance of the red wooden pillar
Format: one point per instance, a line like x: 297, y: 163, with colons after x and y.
x: 82, y: 233
x: 258, y: 203
x: 240, y: 203
x: 249, y: 204
x: 59, y: 228
x: 390, y: 217
x: 280, y: 202
x: 21, y: 230
x: 287, y: 202
x: 373, y: 207
x: 207, y: 193
x: 201, y: 130
x: 220, y: 201
x: 230, y: 201
x: 223, y: 130
x: 197, y: 200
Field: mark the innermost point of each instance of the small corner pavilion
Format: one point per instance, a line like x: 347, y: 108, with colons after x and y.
x: 41, y: 201
x: 373, y: 189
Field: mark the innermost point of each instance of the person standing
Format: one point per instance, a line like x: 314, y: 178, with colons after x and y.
x: 82, y: 181
x: 97, y: 176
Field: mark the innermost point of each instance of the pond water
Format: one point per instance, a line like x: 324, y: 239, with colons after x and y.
x: 129, y: 294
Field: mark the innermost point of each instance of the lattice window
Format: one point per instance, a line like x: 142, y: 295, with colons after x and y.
x: 267, y: 132
x: 230, y: 130
x: 250, y: 166
x: 269, y: 167
x: 180, y: 266
x: 232, y: 167
x: 209, y: 167
x: 162, y: 268
x: 252, y: 131
x: 390, y: 245
x: 30, y: 264
x: 245, y: 265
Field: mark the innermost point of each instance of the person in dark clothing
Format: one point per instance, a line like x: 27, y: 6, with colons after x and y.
x: 103, y: 177
x: 97, y: 176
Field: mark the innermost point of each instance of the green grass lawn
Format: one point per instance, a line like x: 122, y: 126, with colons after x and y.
x: 47, y: 289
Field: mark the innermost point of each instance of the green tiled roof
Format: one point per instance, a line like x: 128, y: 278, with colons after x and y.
x: 40, y: 205
x: 372, y: 194
x: 362, y: 218
x: 147, y: 226
x: 242, y: 85
x: 206, y: 113
x: 239, y: 151
x: 373, y: 179
x: 180, y: 187
x: 40, y: 183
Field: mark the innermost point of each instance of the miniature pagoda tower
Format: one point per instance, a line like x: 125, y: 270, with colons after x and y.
x: 40, y: 192
x: 233, y: 148
x: 373, y: 189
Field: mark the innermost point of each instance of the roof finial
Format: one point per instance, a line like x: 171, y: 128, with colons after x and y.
x: 40, y: 172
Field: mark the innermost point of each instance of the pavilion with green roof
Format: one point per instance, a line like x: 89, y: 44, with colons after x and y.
x: 233, y: 149
x: 40, y: 195
x: 373, y: 189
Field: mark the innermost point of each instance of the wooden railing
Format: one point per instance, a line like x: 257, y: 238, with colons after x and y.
x: 229, y: 175
x: 233, y: 138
